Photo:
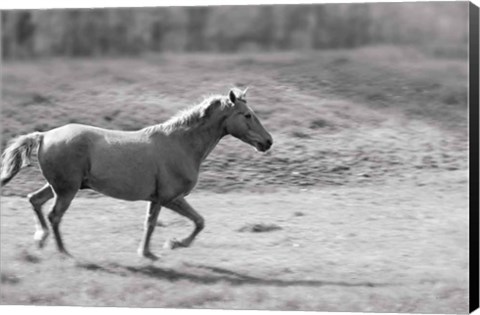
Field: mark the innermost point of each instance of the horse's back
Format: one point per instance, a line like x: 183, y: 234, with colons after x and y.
x: 67, y: 153
x: 72, y: 140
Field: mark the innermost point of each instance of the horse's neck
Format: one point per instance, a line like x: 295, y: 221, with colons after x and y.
x: 197, y: 141
x: 202, y: 140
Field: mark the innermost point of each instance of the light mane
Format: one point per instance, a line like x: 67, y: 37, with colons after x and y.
x: 192, y: 116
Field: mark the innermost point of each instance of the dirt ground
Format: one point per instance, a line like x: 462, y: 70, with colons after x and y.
x: 366, y: 185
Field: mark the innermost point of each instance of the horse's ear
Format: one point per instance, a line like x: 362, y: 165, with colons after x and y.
x: 244, y: 93
x: 232, y: 96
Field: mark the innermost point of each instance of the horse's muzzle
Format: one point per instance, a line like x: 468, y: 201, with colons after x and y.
x: 265, y: 146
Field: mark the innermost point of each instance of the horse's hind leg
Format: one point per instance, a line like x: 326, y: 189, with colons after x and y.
x: 37, y: 199
x: 182, y: 207
x: 62, y: 202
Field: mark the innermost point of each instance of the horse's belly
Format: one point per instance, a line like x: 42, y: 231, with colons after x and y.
x: 128, y: 183
x: 122, y: 170
x: 121, y: 189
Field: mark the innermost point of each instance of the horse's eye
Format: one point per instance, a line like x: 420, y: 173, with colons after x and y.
x: 248, y: 116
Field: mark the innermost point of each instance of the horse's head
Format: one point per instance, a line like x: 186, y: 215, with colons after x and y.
x: 242, y: 123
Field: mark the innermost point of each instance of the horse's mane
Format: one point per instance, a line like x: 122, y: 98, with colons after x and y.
x: 192, y: 116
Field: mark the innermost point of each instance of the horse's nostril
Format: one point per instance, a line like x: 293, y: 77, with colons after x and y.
x: 268, y: 144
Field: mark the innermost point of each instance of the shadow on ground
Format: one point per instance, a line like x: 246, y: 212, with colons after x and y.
x: 215, y: 275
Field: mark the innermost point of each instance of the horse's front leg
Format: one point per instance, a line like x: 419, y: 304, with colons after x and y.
x: 150, y: 223
x: 181, y: 206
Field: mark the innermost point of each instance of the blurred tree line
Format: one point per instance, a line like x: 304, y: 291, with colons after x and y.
x: 89, y: 32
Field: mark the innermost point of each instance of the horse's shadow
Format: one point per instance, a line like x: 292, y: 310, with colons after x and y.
x: 214, y: 275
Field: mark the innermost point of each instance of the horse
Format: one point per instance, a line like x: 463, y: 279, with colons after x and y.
x: 159, y: 163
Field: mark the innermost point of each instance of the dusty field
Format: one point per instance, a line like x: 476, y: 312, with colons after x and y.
x: 338, y: 249
x: 367, y: 184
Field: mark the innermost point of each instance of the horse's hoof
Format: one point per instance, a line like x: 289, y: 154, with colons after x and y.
x: 40, y: 239
x: 172, y: 244
x: 148, y: 255
x: 151, y: 256
x: 169, y: 244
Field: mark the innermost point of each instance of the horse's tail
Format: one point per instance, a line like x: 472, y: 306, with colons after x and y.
x: 17, y: 155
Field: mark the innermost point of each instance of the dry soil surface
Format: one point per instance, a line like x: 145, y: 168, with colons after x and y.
x: 361, y: 205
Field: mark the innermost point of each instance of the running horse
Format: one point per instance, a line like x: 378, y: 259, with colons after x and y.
x: 159, y: 164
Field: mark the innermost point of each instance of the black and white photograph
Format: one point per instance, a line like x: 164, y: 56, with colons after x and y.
x: 282, y: 157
